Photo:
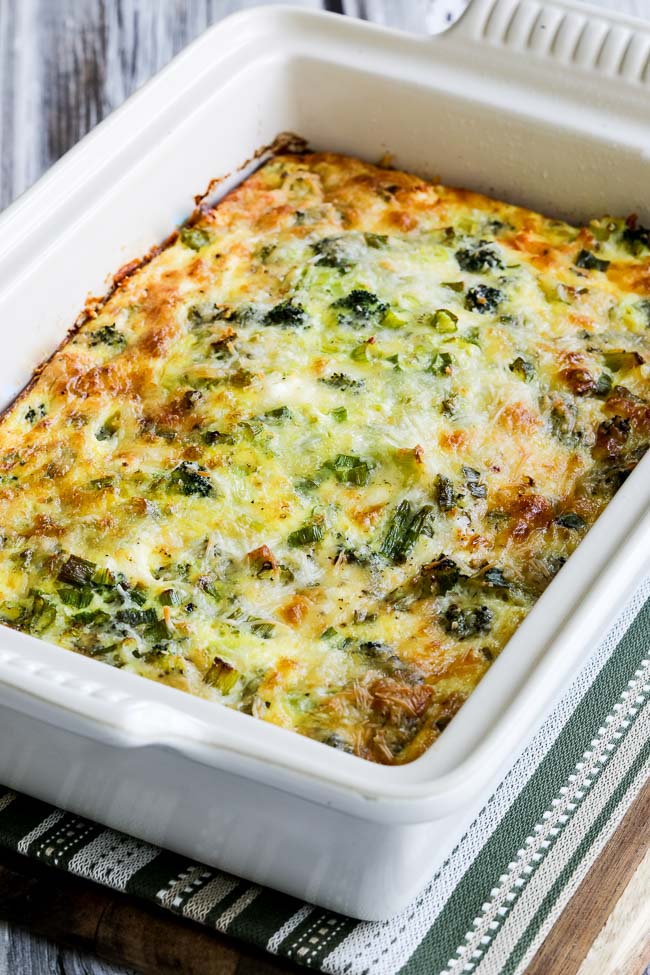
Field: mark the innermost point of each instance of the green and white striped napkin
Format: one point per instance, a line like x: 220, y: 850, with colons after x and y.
x: 490, y: 905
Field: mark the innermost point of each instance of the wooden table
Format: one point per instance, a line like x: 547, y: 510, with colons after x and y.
x: 64, y: 65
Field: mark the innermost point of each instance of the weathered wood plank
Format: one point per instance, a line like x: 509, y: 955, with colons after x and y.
x: 66, y: 64
x: 115, y: 927
x: 576, y: 931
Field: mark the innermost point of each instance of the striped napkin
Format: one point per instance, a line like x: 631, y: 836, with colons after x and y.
x: 490, y: 905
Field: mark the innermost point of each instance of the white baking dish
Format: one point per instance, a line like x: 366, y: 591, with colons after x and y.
x: 541, y: 104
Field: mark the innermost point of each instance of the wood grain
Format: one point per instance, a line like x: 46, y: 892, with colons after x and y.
x: 585, y: 916
x: 115, y: 927
x: 66, y: 64
x: 623, y: 943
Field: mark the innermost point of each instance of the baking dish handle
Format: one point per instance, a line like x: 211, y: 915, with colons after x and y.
x: 576, y: 36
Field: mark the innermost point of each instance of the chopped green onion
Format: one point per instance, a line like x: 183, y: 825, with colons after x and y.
x: 75, y: 597
x: 443, y: 320
x: 473, y: 482
x: 170, y: 597
x: 101, y: 483
x: 636, y: 239
x: 445, y: 494
x: 360, y: 352
x: 262, y: 628
x: 277, y: 415
x: 523, y: 370
x: 211, y: 437
x: 136, y: 617
x: 306, y: 485
x: 343, y: 461
x: 253, y: 427
x: 397, y: 527
x: 359, y: 475
x: 307, y: 535
x: 222, y: 676
x: 377, y: 241
x: 137, y: 594
x: 109, y: 428
x: 420, y: 524
x: 77, y: 571
x: 618, y: 360
x: 104, y: 577
x: 404, y: 530
x: 392, y: 319
x: 42, y: 614
x: 159, y: 631
x: 94, y: 617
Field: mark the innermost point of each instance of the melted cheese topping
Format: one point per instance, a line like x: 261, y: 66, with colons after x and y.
x: 319, y: 457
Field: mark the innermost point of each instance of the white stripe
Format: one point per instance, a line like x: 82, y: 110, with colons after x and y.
x: 552, y: 862
x: 112, y: 859
x: 43, y: 827
x: 387, y: 946
x: 583, y: 867
x: 276, y: 940
x: 6, y: 800
x: 226, y: 919
x: 199, y: 906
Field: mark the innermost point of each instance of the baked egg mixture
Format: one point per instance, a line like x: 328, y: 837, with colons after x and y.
x: 317, y: 459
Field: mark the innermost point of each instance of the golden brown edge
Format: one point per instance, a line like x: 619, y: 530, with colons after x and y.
x: 284, y: 143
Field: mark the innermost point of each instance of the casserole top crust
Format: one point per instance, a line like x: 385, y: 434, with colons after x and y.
x: 317, y: 459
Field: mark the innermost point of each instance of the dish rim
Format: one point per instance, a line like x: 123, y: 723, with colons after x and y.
x: 73, y: 688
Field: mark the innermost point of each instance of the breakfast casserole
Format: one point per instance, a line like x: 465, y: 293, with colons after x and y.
x: 317, y: 458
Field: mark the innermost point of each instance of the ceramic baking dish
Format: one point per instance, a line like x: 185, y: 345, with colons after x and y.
x: 541, y: 104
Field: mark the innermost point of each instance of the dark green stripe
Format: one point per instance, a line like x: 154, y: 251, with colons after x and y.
x: 20, y: 817
x: 159, y: 873
x: 58, y: 844
x: 449, y: 929
x: 264, y: 916
x: 573, y: 863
